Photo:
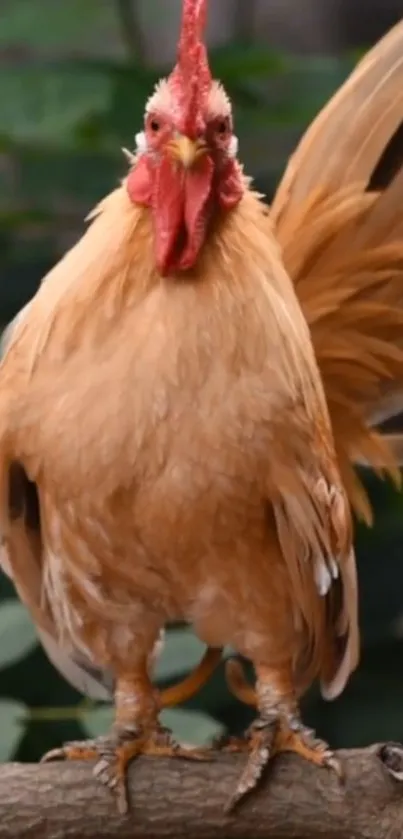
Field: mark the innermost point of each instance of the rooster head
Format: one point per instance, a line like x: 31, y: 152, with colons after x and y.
x: 186, y: 167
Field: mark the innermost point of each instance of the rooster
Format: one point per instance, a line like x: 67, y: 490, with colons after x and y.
x: 166, y: 450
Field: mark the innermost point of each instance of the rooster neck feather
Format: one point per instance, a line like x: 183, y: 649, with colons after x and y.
x: 111, y: 271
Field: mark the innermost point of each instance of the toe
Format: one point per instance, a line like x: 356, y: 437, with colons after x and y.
x: 333, y: 763
x: 189, y: 753
x: 72, y: 751
x: 304, y: 743
x: 250, y: 777
x: 225, y: 743
x: 53, y: 754
x: 111, y: 771
x: 261, y: 740
x: 114, y: 752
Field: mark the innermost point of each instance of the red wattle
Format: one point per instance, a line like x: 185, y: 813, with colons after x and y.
x: 198, y: 186
x: 180, y: 211
x: 230, y: 185
x: 180, y: 199
x: 168, y: 207
x: 138, y: 183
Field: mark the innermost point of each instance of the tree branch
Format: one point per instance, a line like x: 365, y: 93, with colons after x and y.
x: 185, y: 800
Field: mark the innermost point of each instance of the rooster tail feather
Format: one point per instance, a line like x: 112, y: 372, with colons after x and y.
x: 343, y: 643
x: 339, y: 222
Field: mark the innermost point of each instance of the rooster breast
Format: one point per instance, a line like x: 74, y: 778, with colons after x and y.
x: 152, y: 474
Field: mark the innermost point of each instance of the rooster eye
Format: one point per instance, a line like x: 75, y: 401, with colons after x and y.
x: 154, y: 125
x: 222, y: 127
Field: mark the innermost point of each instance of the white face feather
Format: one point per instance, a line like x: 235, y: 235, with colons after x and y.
x: 141, y: 142
x: 162, y: 102
x: 161, y: 99
x: 234, y: 145
x: 218, y: 104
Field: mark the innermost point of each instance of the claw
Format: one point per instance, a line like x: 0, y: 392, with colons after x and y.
x: 53, y: 754
x: 76, y: 750
x: 114, y: 753
x: 333, y: 763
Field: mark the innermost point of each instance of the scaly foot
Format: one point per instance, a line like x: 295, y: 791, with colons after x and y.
x: 278, y: 730
x: 264, y: 740
x: 114, y: 752
x: 293, y: 736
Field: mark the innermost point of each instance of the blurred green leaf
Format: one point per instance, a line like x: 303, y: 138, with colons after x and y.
x: 63, y: 180
x: 312, y: 81
x: 191, y: 726
x: 17, y: 633
x: 46, y: 102
x: 63, y: 25
x: 97, y: 721
x: 181, y: 652
x: 11, y: 727
x: 237, y: 62
x: 131, y: 87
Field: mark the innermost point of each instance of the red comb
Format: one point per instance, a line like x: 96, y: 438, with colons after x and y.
x: 191, y: 78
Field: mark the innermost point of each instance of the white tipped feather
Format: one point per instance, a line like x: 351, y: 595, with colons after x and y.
x: 79, y: 671
x: 332, y: 689
x: 130, y: 157
x: 323, y: 577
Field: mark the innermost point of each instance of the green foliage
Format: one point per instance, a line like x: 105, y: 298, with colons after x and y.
x: 97, y: 721
x: 62, y: 27
x: 49, y: 104
x: 11, y: 727
x: 17, y: 635
x: 180, y: 646
x: 194, y: 727
x: 70, y: 97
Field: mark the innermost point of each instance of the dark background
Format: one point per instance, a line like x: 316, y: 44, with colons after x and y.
x: 74, y: 79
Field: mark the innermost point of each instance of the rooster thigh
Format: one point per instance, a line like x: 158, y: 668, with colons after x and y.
x: 212, y: 563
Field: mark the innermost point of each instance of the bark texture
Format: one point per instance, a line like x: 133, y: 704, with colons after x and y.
x: 184, y: 800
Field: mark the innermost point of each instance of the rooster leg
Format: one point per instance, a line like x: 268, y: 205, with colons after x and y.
x: 136, y: 731
x: 278, y: 729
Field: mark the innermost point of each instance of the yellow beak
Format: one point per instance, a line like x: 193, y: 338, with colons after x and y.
x: 186, y: 151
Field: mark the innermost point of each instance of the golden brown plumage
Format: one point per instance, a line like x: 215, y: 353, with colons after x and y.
x: 339, y: 220
x: 165, y: 444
